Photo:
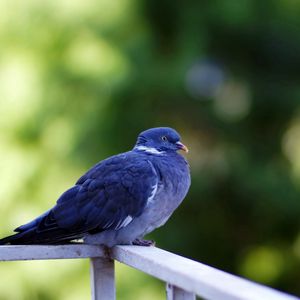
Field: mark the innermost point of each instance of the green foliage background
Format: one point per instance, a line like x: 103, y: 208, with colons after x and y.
x: 80, y: 79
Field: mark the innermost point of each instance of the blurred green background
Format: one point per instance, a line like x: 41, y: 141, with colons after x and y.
x: 80, y: 79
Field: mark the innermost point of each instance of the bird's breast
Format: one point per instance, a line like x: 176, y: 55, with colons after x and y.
x: 172, y: 188
x: 174, y: 176
x: 173, y: 184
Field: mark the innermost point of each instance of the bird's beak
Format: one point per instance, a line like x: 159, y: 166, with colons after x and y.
x: 182, y: 147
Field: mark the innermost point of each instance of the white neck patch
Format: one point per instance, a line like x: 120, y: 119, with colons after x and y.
x: 148, y: 150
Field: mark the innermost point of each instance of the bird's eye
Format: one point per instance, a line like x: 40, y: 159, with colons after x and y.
x: 164, y: 138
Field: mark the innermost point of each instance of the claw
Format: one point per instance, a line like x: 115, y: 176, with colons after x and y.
x: 145, y: 243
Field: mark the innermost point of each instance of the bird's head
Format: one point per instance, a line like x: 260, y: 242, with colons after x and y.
x: 159, y: 140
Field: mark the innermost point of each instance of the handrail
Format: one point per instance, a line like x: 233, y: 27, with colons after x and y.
x: 185, y: 278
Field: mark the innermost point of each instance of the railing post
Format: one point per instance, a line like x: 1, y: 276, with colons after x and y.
x: 103, y: 279
x: 176, y: 293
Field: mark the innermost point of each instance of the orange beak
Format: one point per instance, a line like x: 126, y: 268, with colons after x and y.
x: 182, y: 147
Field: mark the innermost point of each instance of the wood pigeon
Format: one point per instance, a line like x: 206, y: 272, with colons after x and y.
x: 120, y: 199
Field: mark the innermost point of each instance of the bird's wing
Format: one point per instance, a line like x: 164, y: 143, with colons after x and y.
x: 109, y: 196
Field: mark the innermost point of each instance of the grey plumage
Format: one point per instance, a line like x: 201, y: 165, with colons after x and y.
x: 120, y: 199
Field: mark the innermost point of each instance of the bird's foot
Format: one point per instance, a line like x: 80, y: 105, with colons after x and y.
x: 145, y: 243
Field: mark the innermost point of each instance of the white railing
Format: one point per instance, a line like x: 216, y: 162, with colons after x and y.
x: 185, y: 278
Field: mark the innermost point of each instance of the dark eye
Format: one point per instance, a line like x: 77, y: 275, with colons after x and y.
x: 164, y: 138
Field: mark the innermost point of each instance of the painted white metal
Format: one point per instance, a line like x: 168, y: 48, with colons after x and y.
x: 103, y: 279
x: 176, y: 293
x: 183, y: 273
x: 193, y: 276
x: 37, y: 252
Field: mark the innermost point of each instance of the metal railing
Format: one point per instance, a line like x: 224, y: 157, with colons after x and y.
x: 185, y: 278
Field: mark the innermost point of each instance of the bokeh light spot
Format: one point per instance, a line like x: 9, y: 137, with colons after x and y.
x: 233, y: 101
x: 204, y: 79
x: 95, y: 58
x: 263, y: 264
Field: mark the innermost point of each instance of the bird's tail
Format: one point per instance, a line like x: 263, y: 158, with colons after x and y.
x: 31, y: 237
x: 42, y: 230
x: 6, y: 240
x: 21, y: 238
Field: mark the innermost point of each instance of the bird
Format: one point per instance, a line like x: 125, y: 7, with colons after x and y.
x: 120, y: 199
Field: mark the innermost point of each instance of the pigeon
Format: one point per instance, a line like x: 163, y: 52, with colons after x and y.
x: 120, y: 199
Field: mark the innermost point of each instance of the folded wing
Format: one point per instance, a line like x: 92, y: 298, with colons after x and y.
x: 108, y: 196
